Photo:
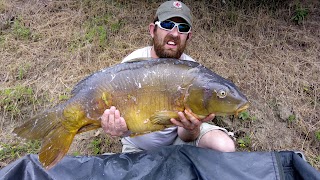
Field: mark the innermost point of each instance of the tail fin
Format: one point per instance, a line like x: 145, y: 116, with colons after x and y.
x: 56, y: 139
x: 57, y: 128
x: 41, y: 125
x: 55, y: 146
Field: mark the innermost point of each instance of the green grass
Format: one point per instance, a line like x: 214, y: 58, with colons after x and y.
x: 299, y: 14
x: 20, y: 31
x: 317, y: 134
x: 244, y: 142
x: 101, y: 144
x: 13, y: 99
x: 22, y: 71
x: 63, y: 97
x: 2, y: 6
x: 13, y: 151
x: 2, y: 39
x: 76, y: 153
x: 97, y: 30
x: 245, y: 116
x: 96, y: 146
x: 291, y: 118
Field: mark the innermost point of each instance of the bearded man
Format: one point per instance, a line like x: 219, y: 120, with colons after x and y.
x: 170, y: 32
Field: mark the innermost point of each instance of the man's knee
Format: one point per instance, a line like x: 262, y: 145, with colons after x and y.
x: 217, y: 140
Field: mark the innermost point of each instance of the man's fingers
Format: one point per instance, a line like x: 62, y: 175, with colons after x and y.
x: 123, y: 124
x: 111, y: 122
x: 175, y: 122
x: 117, y: 124
x: 105, y: 118
x: 192, y: 119
x: 210, y: 117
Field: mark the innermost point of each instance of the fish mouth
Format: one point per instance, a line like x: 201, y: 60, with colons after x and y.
x: 242, y: 108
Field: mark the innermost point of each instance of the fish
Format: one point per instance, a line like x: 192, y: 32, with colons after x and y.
x: 147, y: 92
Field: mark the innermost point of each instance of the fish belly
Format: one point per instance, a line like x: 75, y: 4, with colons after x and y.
x: 137, y: 108
x: 141, y: 93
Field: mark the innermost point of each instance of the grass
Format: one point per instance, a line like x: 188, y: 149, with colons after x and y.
x: 95, y: 146
x: 2, y: 39
x: 97, y: 30
x: 269, y: 49
x: 300, y: 13
x: 22, y: 71
x: 2, y: 6
x: 13, y: 99
x: 20, y: 31
x: 64, y: 97
x: 18, y: 150
x: 101, y: 144
x: 245, y: 116
x: 318, y: 135
x: 244, y: 142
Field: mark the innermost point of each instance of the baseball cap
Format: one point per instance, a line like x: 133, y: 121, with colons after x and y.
x: 171, y: 9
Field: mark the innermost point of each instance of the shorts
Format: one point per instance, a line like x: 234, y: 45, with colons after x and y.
x: 204, y: 128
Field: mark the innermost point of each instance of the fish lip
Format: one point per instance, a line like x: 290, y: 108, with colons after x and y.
x: 242, y: 108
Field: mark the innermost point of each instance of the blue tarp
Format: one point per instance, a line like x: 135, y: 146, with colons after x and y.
x: 171, y: 162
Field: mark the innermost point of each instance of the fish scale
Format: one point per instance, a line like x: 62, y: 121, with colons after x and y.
x: 148, y: 93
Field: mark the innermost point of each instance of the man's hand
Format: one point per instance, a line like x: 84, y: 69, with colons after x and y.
x: 189, y: 128
x: 112, y: 123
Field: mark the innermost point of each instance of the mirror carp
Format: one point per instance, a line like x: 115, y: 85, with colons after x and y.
x: 148, y: 94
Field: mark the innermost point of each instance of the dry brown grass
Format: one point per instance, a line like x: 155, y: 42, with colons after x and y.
x: 275, y: 61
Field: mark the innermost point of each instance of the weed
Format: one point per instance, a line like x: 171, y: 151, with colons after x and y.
x: 244, y: 142
x: 14, y: 98
x: 115, y: 26
x: 2, y: 6
x: 97, y: 29
x: 318, y: 135
x: 232, y: 17
x: 20, y: 31
x: 22, y: 71
x: 76, y: 153
x: 300, y: 14
x: 306, y: 89
x: 291, y: 118
x: 96, y: 32
x: 2, y: 39
x: 63, y: 97
x: 13, y: 151
x: 102, y: 35
x: 90, y: 34
x: 95, y: 145
x: 245, y: 116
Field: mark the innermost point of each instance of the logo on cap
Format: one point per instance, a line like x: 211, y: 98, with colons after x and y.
x: 177, y: 4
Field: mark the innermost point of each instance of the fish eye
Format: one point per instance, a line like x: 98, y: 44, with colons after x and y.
x: 222, y: 94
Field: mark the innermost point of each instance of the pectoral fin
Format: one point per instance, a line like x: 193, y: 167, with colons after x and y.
x: 163, y: 117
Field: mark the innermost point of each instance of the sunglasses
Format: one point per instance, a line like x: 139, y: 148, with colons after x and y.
x: 169, y: 25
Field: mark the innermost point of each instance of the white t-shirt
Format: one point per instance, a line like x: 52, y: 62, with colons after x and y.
x: 156, y: 139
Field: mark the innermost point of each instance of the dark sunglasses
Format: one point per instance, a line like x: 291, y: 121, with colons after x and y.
x: 169, y: 25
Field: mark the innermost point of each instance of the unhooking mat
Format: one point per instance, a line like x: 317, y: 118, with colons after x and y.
x: 172, y: 162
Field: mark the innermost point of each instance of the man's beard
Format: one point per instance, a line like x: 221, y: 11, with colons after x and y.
x: 161, y: 52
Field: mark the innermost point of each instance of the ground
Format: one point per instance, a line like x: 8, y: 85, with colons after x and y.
x: 269, y: 50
